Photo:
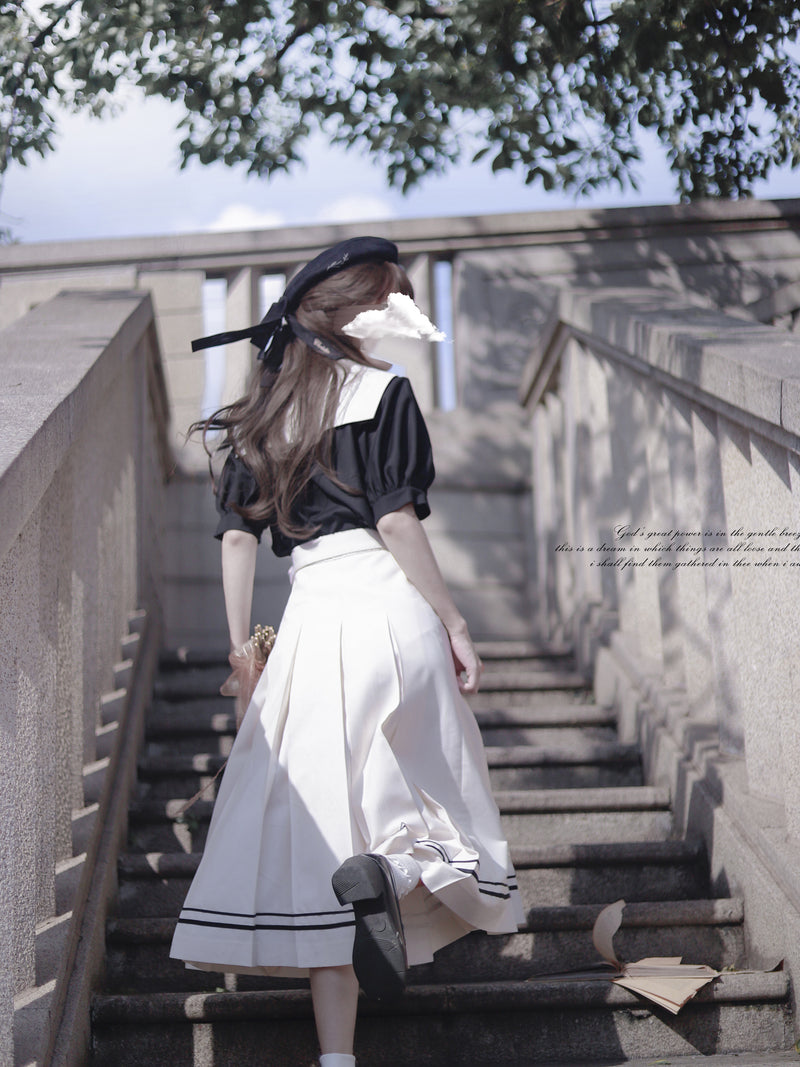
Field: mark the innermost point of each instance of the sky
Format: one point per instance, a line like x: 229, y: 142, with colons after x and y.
x: 115, y: 177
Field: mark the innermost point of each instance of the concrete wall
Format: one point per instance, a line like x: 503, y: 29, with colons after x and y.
x: 666, y: 455
x: 178, y: 304
x: 82, y: 460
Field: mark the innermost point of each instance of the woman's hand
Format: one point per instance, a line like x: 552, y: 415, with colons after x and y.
x: 466, y: 660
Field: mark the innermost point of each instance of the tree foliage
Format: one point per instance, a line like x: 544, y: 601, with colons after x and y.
x: 556, y: 90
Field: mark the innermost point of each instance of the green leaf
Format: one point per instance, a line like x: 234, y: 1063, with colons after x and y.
x: 553, y: 96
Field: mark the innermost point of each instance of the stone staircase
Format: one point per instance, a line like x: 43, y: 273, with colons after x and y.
x: 584, y: 831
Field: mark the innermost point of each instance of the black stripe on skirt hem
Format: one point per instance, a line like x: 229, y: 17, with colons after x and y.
x: 509, y: 887
x: 264, y: 926
x: 271, y: 914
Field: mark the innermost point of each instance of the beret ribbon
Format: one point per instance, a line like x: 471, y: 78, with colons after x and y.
x: 276, y: 329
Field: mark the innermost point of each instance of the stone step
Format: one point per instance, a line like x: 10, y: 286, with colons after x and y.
x: 541, y: 723
x: 731, y: 1059
x: 584, y: 832
x: 546, y: 715
x: 585, y: 764
x: 207, y: 712
x: 191, y: 683
x: 208, y: 727
x: 531, y: 680
x: 558, y: 816
x: 495, y: 655
x: 634, y: 870
x: 504, y: 663
x: 198, y: 681
x: 476, y: 1024
x: 494, y: 651
x: 535, y: 816
x: 574, y: 737
x: 156, y: 883
x: 583, y: 751
x: 580, y: 801
x: 528, y: 698
x: 553, y: 940
x: 214, y: 737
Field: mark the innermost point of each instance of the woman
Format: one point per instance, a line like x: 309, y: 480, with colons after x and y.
x: 354, y: 831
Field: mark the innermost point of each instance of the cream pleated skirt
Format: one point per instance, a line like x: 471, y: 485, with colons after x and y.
x: 357, y: 739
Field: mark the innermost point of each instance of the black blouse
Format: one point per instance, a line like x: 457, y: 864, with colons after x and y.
x: 386, y: 459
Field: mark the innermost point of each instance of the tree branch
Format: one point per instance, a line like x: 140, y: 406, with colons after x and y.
x: 598, y: 52
x: 439, y: 12
x: 37, y: 42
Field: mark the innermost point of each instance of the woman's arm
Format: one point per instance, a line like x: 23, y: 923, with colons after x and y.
x: 402, y: 533
x: 238, y: 573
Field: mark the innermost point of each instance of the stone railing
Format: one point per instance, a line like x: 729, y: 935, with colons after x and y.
x: 474, y: 274
x: 666, y: 468
x: 82, y: 467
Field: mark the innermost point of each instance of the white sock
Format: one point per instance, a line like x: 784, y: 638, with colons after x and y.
x: 405, y: 874
x: 337, y: 1059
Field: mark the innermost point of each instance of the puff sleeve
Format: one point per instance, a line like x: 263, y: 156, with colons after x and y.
x: 238, y: 487
x: 398, y: 462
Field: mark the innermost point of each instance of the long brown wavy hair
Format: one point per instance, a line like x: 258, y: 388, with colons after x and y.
x: 282, y: 426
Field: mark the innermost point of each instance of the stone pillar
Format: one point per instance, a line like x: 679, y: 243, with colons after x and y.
x: 649, y: 637
x: 241, y: 310
x: 758, y: 501
x: 587, y: 483
x: 786, y: 609
x: 564, y: 577
x: 637, y: 586
x: 661, y: 559
x: 570, y: 471
x: 178, y: 303
x: 729, y: 695
x: 692, y: 606
x: 567, y: 479
x: 579, y: 477
x: 24, y: 671
x: 545, y: 522
x: 606, y: 495
x: 553, y: 568
x: 618, y: 402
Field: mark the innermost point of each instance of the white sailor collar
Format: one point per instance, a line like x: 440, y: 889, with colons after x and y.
x: 361, y: 393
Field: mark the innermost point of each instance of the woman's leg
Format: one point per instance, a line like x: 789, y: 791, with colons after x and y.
x: 334, y: 994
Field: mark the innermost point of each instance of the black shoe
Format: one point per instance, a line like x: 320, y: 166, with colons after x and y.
x: 379, y: 952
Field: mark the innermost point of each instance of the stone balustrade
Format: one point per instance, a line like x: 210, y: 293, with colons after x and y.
x: 475, y: 273
x: 82, y: 467
x: 666, y: 467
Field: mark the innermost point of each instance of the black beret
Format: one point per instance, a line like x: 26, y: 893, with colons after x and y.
x: 346, y: 254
